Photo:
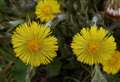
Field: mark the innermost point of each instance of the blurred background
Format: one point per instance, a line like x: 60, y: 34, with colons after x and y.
x: 65, y: 68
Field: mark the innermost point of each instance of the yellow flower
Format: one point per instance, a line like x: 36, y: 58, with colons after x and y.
x: 112, y: 66
x: 92, y: 46
x: 33, y: 44
x: 46, y: 9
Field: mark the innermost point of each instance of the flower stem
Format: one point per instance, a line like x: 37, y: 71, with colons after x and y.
x: 30, y: 74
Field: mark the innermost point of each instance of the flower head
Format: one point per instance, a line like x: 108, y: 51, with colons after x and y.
x: 112, y: 66
x: 46, y: 9
x: 33, y: 44
x: 92, y: 46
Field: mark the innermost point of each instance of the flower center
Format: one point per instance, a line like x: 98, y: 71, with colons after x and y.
x: 47, y: 9
x: 93, y: 47
x: 33, y: 45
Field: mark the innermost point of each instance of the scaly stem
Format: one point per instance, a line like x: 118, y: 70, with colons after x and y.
x: 97, y: 75
x: 30, y: 74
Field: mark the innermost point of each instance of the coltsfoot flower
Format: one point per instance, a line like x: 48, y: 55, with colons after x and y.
x: 92, y: 46
x: 34, y: 44
x: 112, y: 66
x: 46, y: 9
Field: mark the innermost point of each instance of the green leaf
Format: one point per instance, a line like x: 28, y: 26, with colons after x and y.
x: 19, y: 71
x: 6, y: 53
x: 53, y: 69
x: 2, y: 4
x: 113, y: 78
